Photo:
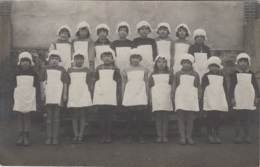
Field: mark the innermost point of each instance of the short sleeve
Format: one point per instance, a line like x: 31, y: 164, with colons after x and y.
x: 64, y: 76
x: 43, y: 75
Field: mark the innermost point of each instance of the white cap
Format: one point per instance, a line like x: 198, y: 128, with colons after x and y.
x: 214, y: 60
x: 187, y: 57
x: 82, y: 25
x: 200, y: 32
x: 162, y: 56
x: 107, y: 49
x: 25, y: 55
x: 164, y: 24
x: 79, y: 52
x: 103, y: 26
x: 64, y: 27
x: 54, y: 52
x: 135, y: 51
x: 123, y: 24
x: 243, y: 56
x: 183, y: 25
x: 143, y: 23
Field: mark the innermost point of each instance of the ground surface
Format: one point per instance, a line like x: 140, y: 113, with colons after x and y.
x: 151, y: 154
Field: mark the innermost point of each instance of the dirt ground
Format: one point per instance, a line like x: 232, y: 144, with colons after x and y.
x: 151, y: 154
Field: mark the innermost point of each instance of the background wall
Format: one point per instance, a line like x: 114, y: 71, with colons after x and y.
x: 35, y: 23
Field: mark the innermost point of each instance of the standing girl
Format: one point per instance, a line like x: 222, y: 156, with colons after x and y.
x: 145, y: 44
x: 26, y: 89
x: 79, y: 99
x: 200, y: 51
x: 107, y: 90
x: 122, y: 46
x: 214, y: 98
x: 85, y: 43
x: 244, y: 95
x: 102, y: 42
x: 160, y: 83
x: 64, y: 46
x: 165, y: 44
x: 53, y: 90
x: 181, y: 45
x: 185, y: 94
x: 135, y: 94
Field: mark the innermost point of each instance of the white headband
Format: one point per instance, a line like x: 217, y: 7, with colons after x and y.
x: 143, y: 23
x: 107, y: 49
x: 187, y: 57
x: 243, y: 56
x: 199, y: 32
x: 103, y: 26
x: 123, y: 24
x: 64, y: 27
x: 54, y: 52
x: 25, y: 55
x: 82, y: 25
x: 214, y: 60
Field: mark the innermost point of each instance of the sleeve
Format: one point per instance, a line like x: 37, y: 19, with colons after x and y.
x: 91, y: 51
x: 36, y: 84
x: 64, y: 76
x: 151, y: 81
x: 175, y: 83
x: 112, y: 46
x: 68, y: 76
x: 43, y: 75
x: 52, y: 47
x: 225, y: 87
x: 233, y: 83
x: 154, y: 46
x: 171, y: 77
x: 95, y: 77
x: 117, y: 77
x: 191, y: 50
x: 133, y: 45
x: 172, y: 51
x: 255, y: 85
x: 89, y: 79
x: 72, y: 47
x: 197, y: 84
x: 204, y: 82
x: 208, y: 52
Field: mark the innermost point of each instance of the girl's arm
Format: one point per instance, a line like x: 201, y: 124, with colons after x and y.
x: 233, y: 82
x: 147, y: 85
x: 42, y: 91
x: 91, y: 55
x: 154, y: 47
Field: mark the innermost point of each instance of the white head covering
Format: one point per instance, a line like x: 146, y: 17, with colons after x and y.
x: 243, y: 56
x: 200, y: 32
x: 187, y: 56
x: 183, y: 25
x: 82, y: 25
x: 164, y: 24
x: 54, y: 52
x: 135, y: 51
x: 161, y: 56
x: 143, y: 23
x: 214, y: 60
x: 78, y: 52
x: 103, y: 26
x: 25, y: 55
x: 107, y: 49
x: 123, y: 24
x: 64, y: 27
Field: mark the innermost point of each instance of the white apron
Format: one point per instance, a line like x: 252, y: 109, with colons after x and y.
x: 65, y: 50
x: 186, y: 96
x: 147, y: 56
x: 200, y: 64
x: 135, y: 89
x: 105, y: 89
x: 79, y: 95
x: 122, y: 57
x: 99, y: 49
x: 25, y: 94
x: 161, y: 93
x: 244, y: 92
x: 82, y: 45
x: 54, y: 87
x: 164, y: 48
x: 180, y: 49
x: 214, y: 95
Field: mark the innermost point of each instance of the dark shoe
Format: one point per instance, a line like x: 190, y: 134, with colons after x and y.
x: 26, y: 140
x: 19, y: 142
x: 238, y: 140
x: 190, y: 141
x: 48, y: 142
x: 182, y: 142
x: 165, y: 140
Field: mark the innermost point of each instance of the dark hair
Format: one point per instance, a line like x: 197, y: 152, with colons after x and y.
x: 182, y: 27
x: 64, y: 30
x: 243, y: 59
x: 168, y: 32
x: 106, y: 53
x: 77, y: 34
x: 102, y: 29
x: 155, y: 65
x: 214, y: 64
x: 186, y: 60
x: 131, y: 56
x: 25, y: 58
x: 79, y: 55
x: 127, y: 30
x: 142, y: 27
x: 54, y: 55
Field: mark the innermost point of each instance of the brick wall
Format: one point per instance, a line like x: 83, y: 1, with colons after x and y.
x: 250, y: 13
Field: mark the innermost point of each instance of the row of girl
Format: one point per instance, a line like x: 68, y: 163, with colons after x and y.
x: 134, y: 75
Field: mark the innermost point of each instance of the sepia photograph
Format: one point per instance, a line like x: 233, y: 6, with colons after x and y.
x: 129, y: 83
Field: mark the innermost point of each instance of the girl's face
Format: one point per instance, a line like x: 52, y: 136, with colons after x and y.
x: 243, y: 64
x: 161, y: 64
x: 122, y: 32
x: 200, y: 39
x: 186, y: 65
x: 79, y: 60
x: 102, y: 34
x: 83, y: 32
x: 182, y: 33
x: 107, y: 58
x: 25, y: 64
x: 64, y: 35
x: 163, y: 32
x: 144, y: 31
x: 214, y: 68
x: 135, y: 60
x: 54, y: 60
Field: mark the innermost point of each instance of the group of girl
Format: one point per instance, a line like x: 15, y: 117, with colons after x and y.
x: 130, y: 75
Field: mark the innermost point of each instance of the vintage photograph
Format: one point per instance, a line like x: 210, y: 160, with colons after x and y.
x: 129, y: 83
